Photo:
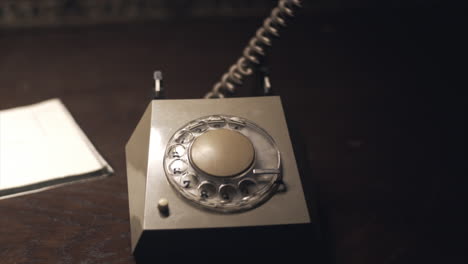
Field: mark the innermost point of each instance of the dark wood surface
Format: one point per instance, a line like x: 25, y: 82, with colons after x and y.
x: 364, y: 89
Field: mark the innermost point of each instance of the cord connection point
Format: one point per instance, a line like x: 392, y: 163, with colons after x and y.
x: 255, y: 52
x: 158, y: 87
x: 158, y: 75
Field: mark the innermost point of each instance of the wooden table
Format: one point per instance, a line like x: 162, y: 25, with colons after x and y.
x: 362, y: 89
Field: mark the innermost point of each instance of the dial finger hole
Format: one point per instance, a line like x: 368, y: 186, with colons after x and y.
x: 189, y: 180
x: 184, y: 137
x: 207, y: 190
x: 227, y: 192
x: 198, y: 127
x: 247, y: 187
x: 236, y: 123
x: 216, y: 121
x: 176, y: 151
x: 178, y: 167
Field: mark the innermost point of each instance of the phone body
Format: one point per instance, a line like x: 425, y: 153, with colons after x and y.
x: 281, y: 221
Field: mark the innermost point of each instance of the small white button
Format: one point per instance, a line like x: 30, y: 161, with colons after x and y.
x: 163, y: 205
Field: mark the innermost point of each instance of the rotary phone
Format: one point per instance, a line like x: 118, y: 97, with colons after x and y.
x: 218, y: 176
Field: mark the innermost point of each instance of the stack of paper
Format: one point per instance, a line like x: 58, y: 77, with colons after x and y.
x: 41, y: 146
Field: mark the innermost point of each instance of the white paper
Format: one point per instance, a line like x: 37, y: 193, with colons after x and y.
x: 42, y: 142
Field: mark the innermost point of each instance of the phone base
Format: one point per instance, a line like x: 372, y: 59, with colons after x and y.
x: 165, y: 222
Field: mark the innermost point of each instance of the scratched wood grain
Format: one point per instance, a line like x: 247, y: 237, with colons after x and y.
x: 361, y: 91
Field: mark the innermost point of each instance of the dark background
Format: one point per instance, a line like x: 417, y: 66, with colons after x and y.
x: 372, y: 90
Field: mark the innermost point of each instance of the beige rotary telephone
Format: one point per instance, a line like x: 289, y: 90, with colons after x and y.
x: 217, y: 176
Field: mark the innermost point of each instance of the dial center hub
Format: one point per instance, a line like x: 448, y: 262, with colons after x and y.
x: 222, y: 153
